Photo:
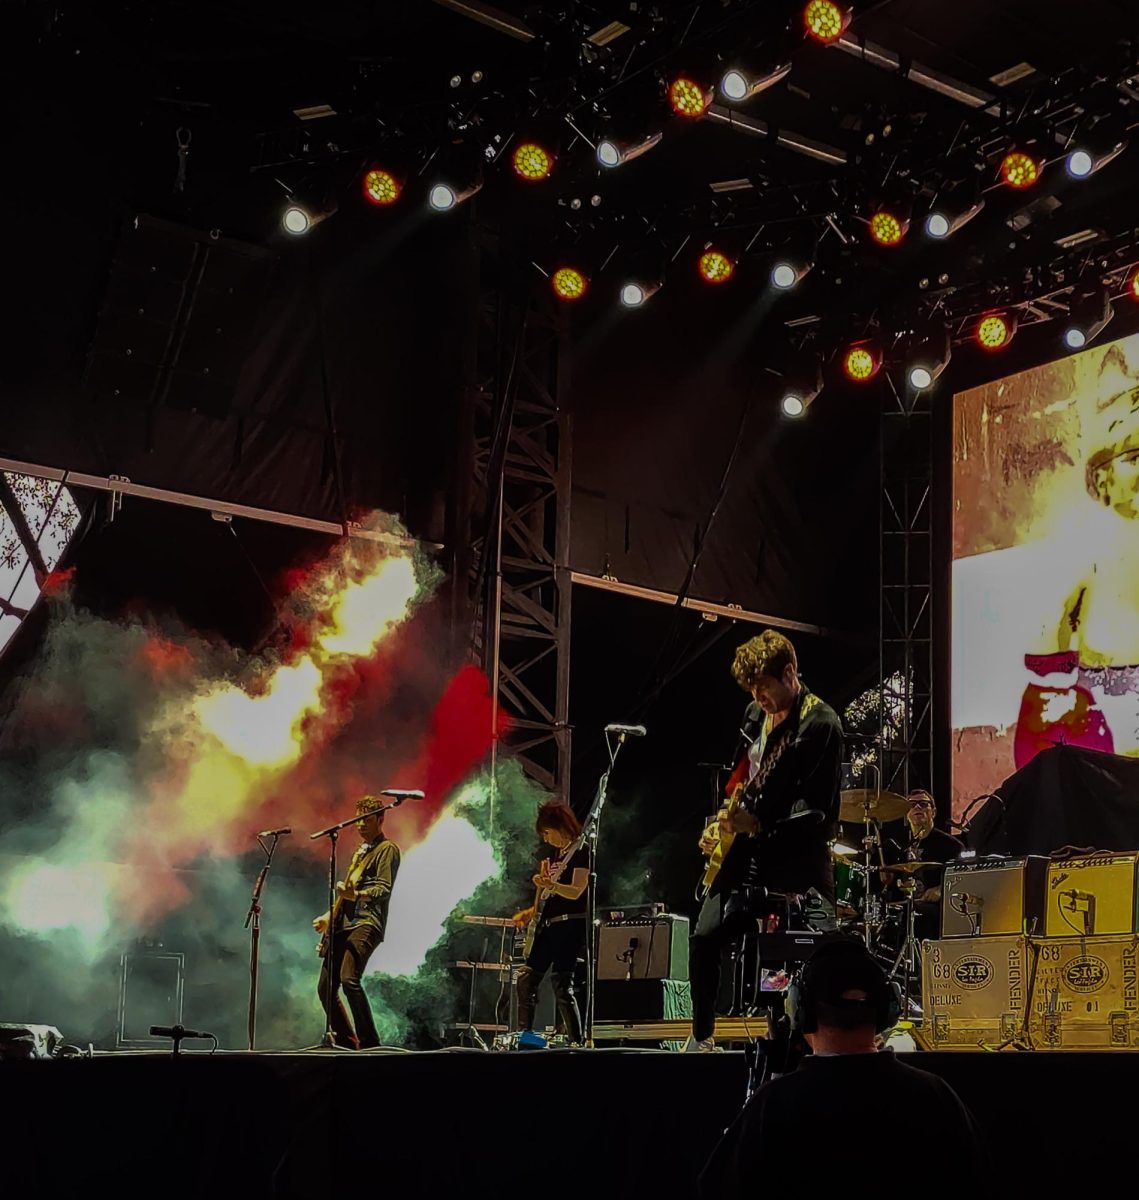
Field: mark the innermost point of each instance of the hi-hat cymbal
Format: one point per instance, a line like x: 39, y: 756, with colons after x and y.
x: 857, y: 805
x: 911, y: 868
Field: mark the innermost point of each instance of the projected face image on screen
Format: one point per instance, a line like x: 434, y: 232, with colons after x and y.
x: 1045, y: 607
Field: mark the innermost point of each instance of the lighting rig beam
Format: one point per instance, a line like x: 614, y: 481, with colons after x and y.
x: 493, y: 18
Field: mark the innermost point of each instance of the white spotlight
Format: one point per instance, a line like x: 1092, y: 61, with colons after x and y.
x: 783, y: 275
x: 920, y: 378
x: 442, y: 197
x: 296, y: 220
x: 608, y: 154
x: 1080, y: 163
x: 793, y: 405
x: 633, y: 295
x: 937, y: 225
x: 734, y: 85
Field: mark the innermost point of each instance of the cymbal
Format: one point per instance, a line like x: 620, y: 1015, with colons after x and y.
x: 910, y: 868
x: 841, y: 851
x: 865, y: 804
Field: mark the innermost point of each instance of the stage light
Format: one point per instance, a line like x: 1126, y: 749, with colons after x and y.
x: 995, y: 330
x: 1090, y: 313
x: 800, y: 387
x: 1085, y: 160
x: 887, y: 228
x: 1019, y: 170
x: 862, y: 361
x: 612, y: 152
x: 715, y: 266
x: 444, y: 196
x: 569, y: 283
x: 740, y: 84
x: 946, y: 217
x: 787, y: 272
x: 929, y: 355
x: 1134, y: 285
x: 381, y: 187
x: 296, y: 220
x: 636, y: 291
x: 532, y: 162
x: 825, y: 20
x: 688, y: 98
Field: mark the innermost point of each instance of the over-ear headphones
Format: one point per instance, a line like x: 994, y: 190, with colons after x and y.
x: 801, y: 1001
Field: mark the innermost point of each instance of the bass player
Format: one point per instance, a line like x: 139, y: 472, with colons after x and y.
x: 355, y: 927
x: 555, y: 922
x: 782, y: 812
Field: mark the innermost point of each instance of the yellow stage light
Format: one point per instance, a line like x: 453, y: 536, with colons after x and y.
x: 532, y: 162
x: 716, y: 267
x: 887, y: 229
x: 381, y: 187
x: 1020, y: 170
x: 568, y: 283
x: 825, y: 21
x: 688, y: 98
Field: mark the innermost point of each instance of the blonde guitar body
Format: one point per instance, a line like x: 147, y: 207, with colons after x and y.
x: 723, y: 843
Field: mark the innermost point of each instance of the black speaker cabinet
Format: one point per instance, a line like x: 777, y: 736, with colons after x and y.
x: 642, y: 1000
x: 643, y: 948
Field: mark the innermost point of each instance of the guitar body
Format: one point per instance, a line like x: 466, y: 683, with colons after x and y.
x: 334, y: 916
x: 724, y: 843
x: 531, y: 934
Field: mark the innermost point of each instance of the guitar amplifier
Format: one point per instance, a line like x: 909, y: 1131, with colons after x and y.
x: 643, y: 948
x: 1085, y: 993
x: 993, y: 896
x: 974, y: 991
x: 1092, y: 895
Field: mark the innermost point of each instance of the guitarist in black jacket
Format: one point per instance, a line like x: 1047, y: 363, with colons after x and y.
x: 557, y: 919
x: 791, y: 772
x: 357, y: 922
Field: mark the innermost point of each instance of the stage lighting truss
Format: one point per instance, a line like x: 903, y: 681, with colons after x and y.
x: 995, y: 330
x: 382, y: 187
x: 613, y: 152
x: 800, y: 388
x: 862, y: 361
x: 740, y: 83
x: 1020, y: 170
x: 716, y: 265
x: 929, y: 355
x: 569, y: 283
x: 1088, y: 316
x: 826, y: 21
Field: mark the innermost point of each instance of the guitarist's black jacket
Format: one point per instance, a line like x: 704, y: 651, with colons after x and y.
x: 373, y: 870
x: 797, y: 806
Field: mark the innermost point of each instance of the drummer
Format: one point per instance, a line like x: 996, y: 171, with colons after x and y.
x: 924, y: 843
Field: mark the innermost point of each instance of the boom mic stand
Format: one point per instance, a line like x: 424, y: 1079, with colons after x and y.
x: 592, y: 832
x: 253, y: 924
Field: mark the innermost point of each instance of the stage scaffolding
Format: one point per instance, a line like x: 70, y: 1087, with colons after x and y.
x: 518, y: 560
x: 906, y: 591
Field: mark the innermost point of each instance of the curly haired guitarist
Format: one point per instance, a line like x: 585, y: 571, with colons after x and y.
x: 356, y: 926
x: 781, y: 812
x: 556, y: 921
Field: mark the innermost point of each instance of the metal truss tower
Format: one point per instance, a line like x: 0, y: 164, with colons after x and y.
x: 906, y: 591
x: 520, y: 584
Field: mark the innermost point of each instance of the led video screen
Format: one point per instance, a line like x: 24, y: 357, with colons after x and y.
x: 1045, y: 580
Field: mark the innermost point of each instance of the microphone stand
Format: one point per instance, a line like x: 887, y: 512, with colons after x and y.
x: 592, y: 832
x: 253, y: 924
x: 328, y: 1040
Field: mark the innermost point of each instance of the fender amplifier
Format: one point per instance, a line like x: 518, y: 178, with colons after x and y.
x: 994, y: 897
x: 1091, y: 895
x: 643, y: 948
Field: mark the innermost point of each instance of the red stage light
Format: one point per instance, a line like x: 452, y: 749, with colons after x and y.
x: 826, y: 21
x: 1134, y: 284
x: 568, y: 283
x: 994, y: 330
x: 715, y: 266
x: 381, y: 187
x: 861, y: 362
x: 1019, y: 170
x: 532, y: 162
x: 887, y: 229
x: 688, y: 98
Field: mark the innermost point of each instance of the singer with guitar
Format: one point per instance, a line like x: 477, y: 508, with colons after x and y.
x: 354, y: 928
x: 555, y: 922
x: 782, y: 811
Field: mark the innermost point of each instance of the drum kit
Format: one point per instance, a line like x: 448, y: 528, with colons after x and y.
x: 862, y: 877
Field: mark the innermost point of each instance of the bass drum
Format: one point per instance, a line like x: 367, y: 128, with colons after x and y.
x: 849, y: 889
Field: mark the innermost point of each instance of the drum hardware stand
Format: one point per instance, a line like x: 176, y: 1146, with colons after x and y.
x: 909, y: 954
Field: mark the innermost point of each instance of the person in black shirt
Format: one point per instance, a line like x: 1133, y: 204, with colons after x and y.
x: 559, y: 911
x: 839, y: 1004
x: 360, y: 921
x: 792, y: 769
x: 924, y: 842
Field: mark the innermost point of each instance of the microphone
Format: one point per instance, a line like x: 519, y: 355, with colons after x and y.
x: 627, y: 730
x: 177, y: 1032
x: 275, y: 832
x: 967, y: 900
x: 1074, y: 895
x: 404, y: 793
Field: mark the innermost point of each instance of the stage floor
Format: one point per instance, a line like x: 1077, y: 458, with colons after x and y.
x: 582, y: 1123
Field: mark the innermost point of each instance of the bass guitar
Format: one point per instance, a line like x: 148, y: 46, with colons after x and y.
x: 541, y: 895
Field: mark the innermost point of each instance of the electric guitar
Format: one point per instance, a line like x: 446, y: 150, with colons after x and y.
x: 724, y: 841
x: 352, y: 877
x: 541, y: 895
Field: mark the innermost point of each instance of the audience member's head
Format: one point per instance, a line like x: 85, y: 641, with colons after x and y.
x: 842, y: 1000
